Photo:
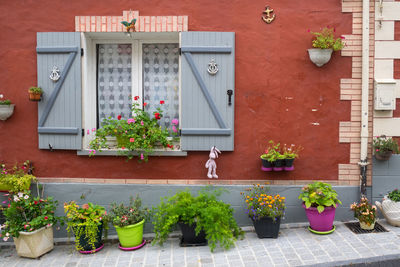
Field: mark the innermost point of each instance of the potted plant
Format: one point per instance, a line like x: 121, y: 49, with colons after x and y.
x: 264, y: 210
x: 269, y: 158
x: 141, y: 133
x: 16, y: 179
x: 290, y: 153
x: 129, y: 220
x: 30, y: 220
x: 87, y: 223
x: 6, y: 108
x: 324, y: 44
x: 384, y: 147
x: 320, y: 202
x: 201, y: 218
x: 390, y: 207
x: 365, y: 213
x: 35, y: 93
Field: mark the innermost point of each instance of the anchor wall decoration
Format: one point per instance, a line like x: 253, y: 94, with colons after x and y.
x: 269, y: 15
x: 212, y: 67
x: 55, y: 74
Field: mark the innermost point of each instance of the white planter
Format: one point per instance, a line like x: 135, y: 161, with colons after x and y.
x: 6, y: 111
x: 320, y: 56
x: 390, y: 210
x: 34, y: 244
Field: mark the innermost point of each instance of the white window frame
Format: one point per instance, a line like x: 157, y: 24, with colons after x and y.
x: 89, y: 67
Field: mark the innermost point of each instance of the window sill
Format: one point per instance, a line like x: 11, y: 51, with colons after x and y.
x: 155, y: 153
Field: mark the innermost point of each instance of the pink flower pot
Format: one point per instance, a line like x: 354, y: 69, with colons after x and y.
x: 321, y: 222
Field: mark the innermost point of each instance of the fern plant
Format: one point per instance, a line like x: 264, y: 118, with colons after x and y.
x: 205, y: 210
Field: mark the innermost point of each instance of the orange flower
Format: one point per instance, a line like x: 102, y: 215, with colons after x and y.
x: 270, y: 206
x: 283, y: 198
x: 262, y: 203
x: 251, y: 199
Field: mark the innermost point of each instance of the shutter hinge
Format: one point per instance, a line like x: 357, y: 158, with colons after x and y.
x: 83, y: 132
x: 180, y: 132
x: 81, y: 52
x: 180, y: 51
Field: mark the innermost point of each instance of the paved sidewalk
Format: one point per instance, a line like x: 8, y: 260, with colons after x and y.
x: 296, y: 246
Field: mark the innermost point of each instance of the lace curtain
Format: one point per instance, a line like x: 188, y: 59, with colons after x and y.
x: 114, y: 81
x: 160, y: 65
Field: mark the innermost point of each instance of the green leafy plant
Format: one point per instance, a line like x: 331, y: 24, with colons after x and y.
x: 26, y: 213
x: 35, y: 90
x: 123, y: 215
x: 326, y: 39
x: 382, y: 144
x: 260, y: 204
x: 319, y: 195
x: 394, y: 195
x: 292, y: 151
x: 18, y: 178
x: 364, y: 211
x: 84, y: 221
x: 272, y: 152
x: 209, y: 214
x: 141, y: 133
x: 4, y: 101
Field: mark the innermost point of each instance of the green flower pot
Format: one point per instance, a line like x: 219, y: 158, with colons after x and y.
x: 131, y: 235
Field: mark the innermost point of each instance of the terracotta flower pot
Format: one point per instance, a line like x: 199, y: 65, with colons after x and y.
x: 35, y: 96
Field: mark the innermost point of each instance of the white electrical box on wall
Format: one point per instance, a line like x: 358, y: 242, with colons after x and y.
x: 384, y: 97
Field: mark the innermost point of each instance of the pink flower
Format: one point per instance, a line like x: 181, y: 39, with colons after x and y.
x: 88, y: 132
x: 45, y: 217
x: 175, y: 121
x: 141, y: 156
x: 342, y: 37
x: 174, y: 129
x: 93, y: 129
x: 123, y: 147
x: 141, y: 123
x: 308, y: 30
x: 129, y: 121
x: 144, y: 137
x: 377, y: 150
x: 132, y: 140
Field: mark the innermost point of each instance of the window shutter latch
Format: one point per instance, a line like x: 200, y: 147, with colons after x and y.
x: 180, y: 51
x: 83, y: 132
x: 230, y: 93
x: 81, y: 52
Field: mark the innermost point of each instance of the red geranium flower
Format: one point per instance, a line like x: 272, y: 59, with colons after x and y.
x: 136, y: 98
x: 144, y: 104
x: 162, y: 102
x: 35, y: 202
x: 157, y: 115
x: 45, y: 217
x: 119, y: 117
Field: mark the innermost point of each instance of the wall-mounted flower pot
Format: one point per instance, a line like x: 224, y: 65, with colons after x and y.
x: 278, y: 165
x: 35, y: 96
x: 266, y: 165
x: 384, y: 155
x: 320, y: 56
x: 289, y: 165
x: 6, y: 111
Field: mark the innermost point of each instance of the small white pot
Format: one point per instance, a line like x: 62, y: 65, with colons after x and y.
x: 6, y: 111
x: 320, y: 56
x: 34, y: 244
x: 390, y: 210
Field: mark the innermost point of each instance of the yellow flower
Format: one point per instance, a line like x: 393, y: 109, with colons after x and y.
x: 283, y: 198
x: 262, y: 203
x: 270, y: 206
x: 247, y: 201
x: 247, y: 197
x: 260, y: 199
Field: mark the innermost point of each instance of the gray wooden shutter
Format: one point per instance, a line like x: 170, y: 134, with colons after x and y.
x: 207, y: 119
x: 60, y: 110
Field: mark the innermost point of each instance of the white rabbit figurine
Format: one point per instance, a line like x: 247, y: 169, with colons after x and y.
x: 211, y: 165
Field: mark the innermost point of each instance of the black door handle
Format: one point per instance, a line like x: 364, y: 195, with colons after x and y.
x: 230, y: 93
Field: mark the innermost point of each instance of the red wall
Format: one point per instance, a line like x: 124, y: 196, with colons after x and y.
x: 276, y: 87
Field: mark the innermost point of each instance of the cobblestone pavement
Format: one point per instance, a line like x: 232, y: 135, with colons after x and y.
x: 296, y: 246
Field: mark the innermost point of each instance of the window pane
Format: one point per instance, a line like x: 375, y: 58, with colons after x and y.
x: 160, y: 80
x: 114, y: 81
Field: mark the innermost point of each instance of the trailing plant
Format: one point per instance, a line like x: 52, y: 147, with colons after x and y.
x: 18, y: 178
x: 205, y: 210
x: 292, y: 151
x: 319, y: 195
x: 26, y: 213
x: 382, y: 144
x: 141, y: 133
x: 4, y: 101
x: 123, y: 215
x: 84, y: 221
x: 35, y: 90
x: 394, y: 195
x: 260, y: 204
x: 364, y: 211
x: 326, y: 39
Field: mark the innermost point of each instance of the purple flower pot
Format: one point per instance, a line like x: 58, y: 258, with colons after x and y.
x: 266, y: 165
x: 321, y: 222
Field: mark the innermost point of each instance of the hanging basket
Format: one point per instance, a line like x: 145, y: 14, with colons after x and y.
x: 6, y: 111
x: 384, y: 155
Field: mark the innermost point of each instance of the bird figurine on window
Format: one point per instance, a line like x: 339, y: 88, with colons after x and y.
x: 129, y: 25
